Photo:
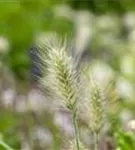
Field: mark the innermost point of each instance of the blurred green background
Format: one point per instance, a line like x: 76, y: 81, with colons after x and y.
x: 103, y: 30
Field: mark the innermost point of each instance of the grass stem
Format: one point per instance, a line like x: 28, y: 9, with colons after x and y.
x: 76, y: 131
x: 95, y: 141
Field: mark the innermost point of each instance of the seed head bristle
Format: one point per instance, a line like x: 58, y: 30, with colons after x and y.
x: 97, y: 100
x: 96, y: 106
x: 59, y: 73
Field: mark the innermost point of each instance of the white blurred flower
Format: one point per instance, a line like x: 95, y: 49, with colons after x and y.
x: 102, y: 72
x: 8, y: 97
x: 83, y: 18
x: 131, y: 36
x: 107, y: 23
x: 127, y: 64
x: 108, y: 40
x: 125, y: 115
x: 25, y: 145
x: 63, y: 121
x: 36, y: 101
x: 83, y: 24
x: 21, y: 105
x: 42, y: 135
x: 131, y: 125
x: 4, y: 44
x: 131, y: 46
x: 129, y: 20
x: 64, y: 11
x: 125, y: 89
x: 82, y: 39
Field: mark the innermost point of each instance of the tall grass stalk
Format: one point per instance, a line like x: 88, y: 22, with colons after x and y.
x: 60, y: 76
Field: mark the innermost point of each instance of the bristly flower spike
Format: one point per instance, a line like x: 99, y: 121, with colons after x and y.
x: 58, y: 70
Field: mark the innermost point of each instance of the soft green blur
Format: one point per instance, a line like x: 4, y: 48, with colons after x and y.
x: 108, y: 36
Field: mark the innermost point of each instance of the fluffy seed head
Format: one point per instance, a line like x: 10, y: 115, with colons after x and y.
x: 96, y: 108
x: 58, y: 72
x: 97, y: 100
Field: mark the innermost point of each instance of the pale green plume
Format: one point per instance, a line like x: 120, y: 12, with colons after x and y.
x: 59, y: 75
x: 58, y: 71
x: 96, y: 103
x: 96, y: 109
x: 97, y: 100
